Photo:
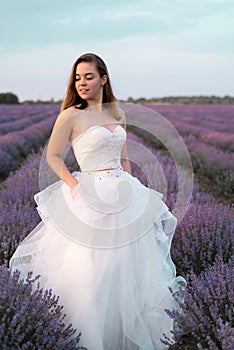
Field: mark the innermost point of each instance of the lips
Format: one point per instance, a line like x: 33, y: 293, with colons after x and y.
x: 83, y: 91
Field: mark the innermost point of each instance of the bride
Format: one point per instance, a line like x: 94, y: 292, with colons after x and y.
x: 103, y: 244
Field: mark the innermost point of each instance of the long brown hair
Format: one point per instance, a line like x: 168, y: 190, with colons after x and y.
x: 72, y: 97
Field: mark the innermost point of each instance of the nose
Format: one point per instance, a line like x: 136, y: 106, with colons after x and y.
x: 82, y: 81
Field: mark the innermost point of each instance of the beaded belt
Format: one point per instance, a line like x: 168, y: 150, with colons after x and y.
x: 87, y: 171
x: 105, y: 172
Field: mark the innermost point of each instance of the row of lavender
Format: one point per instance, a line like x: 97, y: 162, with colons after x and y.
x: 12, y: 114
x: 23, y: 129
x: 205, y: 120
x: 211, y: 150
x: 202, y: 250
x: 18, y: 117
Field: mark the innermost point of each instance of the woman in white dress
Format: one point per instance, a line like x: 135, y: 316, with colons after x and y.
x: 103, y: 244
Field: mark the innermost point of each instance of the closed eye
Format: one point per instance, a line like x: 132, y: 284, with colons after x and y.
x: 77, y: 79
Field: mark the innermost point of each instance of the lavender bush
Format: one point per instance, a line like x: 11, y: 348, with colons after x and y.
x: 17, y: 206
x: 208, y: 312
x: 31, y: 318
x: 205, y: 234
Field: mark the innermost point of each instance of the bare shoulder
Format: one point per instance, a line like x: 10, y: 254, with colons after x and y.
x: 122, y: 116
x: 68, y: 115
x: 69, y: 112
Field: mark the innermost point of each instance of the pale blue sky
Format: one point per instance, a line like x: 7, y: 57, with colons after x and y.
x: 152, y: 48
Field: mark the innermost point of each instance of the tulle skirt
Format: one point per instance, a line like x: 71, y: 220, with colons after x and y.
x: 106, y: 253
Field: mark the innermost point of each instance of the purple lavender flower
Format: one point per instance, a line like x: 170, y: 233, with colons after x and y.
x: 208, y: 311
x: 31, y: 318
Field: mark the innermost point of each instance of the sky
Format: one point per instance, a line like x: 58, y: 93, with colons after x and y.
x: 152, y: 48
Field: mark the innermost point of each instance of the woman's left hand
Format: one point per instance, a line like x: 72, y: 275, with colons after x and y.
x: 74, y: 191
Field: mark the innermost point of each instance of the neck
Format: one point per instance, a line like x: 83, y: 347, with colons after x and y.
x: 97, y: 107
x: 96, y: 101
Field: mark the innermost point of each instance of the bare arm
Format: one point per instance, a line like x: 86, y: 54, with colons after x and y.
x: 60, y: 135
x: 124, y: 154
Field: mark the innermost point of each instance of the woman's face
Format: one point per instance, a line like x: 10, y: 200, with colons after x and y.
x: 89, y: 84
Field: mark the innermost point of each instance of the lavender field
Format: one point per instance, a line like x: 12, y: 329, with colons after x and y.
x: 202, y: 247
x: 23, y: 129
x: 207, y: 131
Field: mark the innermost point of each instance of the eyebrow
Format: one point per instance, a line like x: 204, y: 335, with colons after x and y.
x: 86, y: 73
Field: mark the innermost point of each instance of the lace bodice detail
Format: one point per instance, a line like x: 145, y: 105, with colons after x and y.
x: 99, y: 148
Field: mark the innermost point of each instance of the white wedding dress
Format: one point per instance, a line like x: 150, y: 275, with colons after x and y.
x: 105, y: 252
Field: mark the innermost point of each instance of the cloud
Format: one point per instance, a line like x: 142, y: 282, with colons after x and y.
x: 29, y: 25
x: 152, y: 48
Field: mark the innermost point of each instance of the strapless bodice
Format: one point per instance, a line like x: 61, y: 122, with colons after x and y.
x: 99, y: 148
